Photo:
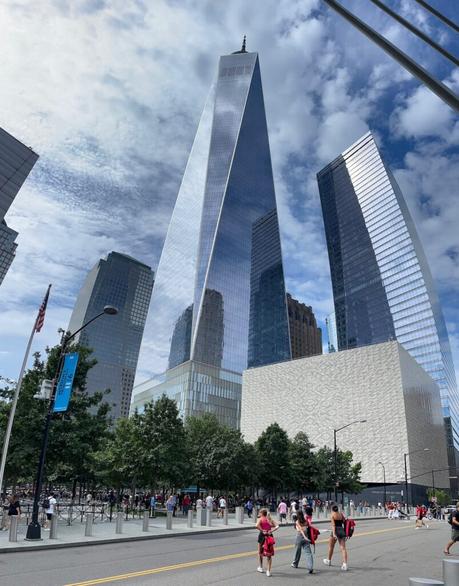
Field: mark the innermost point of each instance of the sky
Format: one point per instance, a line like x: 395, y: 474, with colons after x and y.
x: 109, y: 94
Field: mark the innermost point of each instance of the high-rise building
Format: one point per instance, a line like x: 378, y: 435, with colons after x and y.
x: 16, y: 162
x: 125, y: 283
x: 305, y: 336
x: 221, y: 263
x: 332, y: 336
x: 382, y: 285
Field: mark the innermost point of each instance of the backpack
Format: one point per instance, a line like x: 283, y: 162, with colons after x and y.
x: 312, y: 533
x: 349, y: 527
x: 450, y: 518
x: 45, y: 503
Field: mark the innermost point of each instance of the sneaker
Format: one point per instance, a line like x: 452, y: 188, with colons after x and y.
x: 427, y: 526
x: 268, y: 573
x: 260, y: 569
x: 310, y: 571
x: 293, y: 565
x: 327, y: 562
x: 344, y: 567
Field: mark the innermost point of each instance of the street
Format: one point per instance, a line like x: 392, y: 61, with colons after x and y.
x: 380, y: 553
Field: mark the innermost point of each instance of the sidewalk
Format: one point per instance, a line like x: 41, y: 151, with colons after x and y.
x: 105, y: 532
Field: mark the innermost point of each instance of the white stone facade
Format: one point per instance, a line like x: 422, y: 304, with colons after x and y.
x: 381, y: 383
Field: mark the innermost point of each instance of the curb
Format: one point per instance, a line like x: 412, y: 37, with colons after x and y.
x: 111, y: 540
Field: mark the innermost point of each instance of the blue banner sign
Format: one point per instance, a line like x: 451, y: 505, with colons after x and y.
x: 65, y: 384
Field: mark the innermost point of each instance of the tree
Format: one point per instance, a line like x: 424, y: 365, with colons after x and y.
x: 302, y: 463
x: 163, y: 448
x: 273, y: 449
x: 218, y: 456
x: 348, y: 473
x: 75, y: 435
x: 442, y: 496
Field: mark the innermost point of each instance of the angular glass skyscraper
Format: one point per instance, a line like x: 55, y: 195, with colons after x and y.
x: 382, y: 285
x: 222, y: 250
x: 16, y: 162
x: 126, y: 283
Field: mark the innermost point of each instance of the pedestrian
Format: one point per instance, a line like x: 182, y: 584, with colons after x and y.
x: 293, y: 511
x: 249, y: 507
x: 152, y: 506
x: 266, y: 527
x: 421, y: 512
x: 49, y: 504
x: 170, y: 504
x: 186, y: 503
x: 302, y: 543
x: 338, y: 534
x: 454, y: 522
x: 14, y: 506
x: 282, y: 510
x: 221, y: 506
x: 210, y: 502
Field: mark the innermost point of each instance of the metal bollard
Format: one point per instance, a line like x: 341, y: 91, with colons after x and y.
x: 88, y: 526
x: 169, y: 520
x: 146, y: 520
x: 451, y: 572
x: 209, y: 517
x: 238, y: 515
x: 4, y: 520
x: 225, y: 517
x: 13, y: 528
x: 53, y: 527
x: 254, y: 513
x: 119, y: 522
x: 425, y: 581
x: 190, y: 519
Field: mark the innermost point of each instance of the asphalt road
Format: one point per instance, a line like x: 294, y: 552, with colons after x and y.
x: 380, y: 553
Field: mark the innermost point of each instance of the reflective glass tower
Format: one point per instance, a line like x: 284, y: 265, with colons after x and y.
x: 16, y: 162
x: 221, y: 259
x: 125, y: 283
x: 382, y: 285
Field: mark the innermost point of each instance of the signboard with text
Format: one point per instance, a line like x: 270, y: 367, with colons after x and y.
x: 65, y: 383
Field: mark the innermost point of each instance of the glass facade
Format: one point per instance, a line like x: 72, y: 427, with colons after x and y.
x: 212, y: 268
x: 382, y: 285
x: 16, y: 162
x: 115, y: 340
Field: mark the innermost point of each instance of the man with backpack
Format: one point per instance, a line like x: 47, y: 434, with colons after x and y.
x: 48, y: 505
x: 453, y: 520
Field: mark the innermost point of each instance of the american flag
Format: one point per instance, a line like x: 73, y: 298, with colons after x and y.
x: 41, y: 312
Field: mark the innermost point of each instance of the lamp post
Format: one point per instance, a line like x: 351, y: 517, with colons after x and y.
x: 34, y: 529
x: 384, y: 478
x: 406, y: 474
x: 335, y: 453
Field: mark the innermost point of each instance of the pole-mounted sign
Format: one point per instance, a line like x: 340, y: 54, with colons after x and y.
x: 65, y: 383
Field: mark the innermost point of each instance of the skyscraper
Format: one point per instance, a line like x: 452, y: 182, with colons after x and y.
x: 16, y: 162
x: 305, y: 336
x: 126, y: 283
x: 225, y: 212
x: 382, y: 285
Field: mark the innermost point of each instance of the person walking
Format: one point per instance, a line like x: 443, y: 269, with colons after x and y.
x: 421, y: 512
x: 282, y: 511
x: 49, y: 505
x: 186, y: 503
x: 302, y: 543
x: 266, y: 527
x: 454, y: 518
x: 249, y: 507
x: 338, y: 534
x: 14, y: 506
x: 221, y: 506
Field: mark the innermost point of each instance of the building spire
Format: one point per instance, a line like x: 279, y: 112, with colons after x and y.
x: 243, y: 50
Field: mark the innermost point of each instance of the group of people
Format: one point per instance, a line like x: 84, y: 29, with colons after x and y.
x: 305, y: 533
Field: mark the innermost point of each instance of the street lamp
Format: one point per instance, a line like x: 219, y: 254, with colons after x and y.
x: 335, y: 453
x: 406, y: 474
x: 384, y: 477
x: 34, y: 529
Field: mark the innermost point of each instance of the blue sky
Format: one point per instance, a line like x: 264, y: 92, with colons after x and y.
x: 110, y: 94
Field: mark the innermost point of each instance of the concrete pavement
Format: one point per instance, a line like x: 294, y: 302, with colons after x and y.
x: 382, y: 553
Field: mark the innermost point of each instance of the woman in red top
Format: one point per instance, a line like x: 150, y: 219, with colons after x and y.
x: 266, y: 527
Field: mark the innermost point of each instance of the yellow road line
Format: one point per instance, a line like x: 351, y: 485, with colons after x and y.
x: 232, y: 556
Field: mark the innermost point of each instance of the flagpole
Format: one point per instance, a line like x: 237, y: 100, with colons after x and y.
x: 9, y: 427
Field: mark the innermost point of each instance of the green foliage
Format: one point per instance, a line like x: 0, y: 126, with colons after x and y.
x: 273, y: 448
x: 443, y: 497
x: 302, y: 463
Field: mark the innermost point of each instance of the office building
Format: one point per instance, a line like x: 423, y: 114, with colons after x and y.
x: 381, y: 384
x: 305, y: 336
x: 220, y: 274
x: 332, y: 336
x: 125, y: 283
x: 16, y: 162
x: 382, y: 285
